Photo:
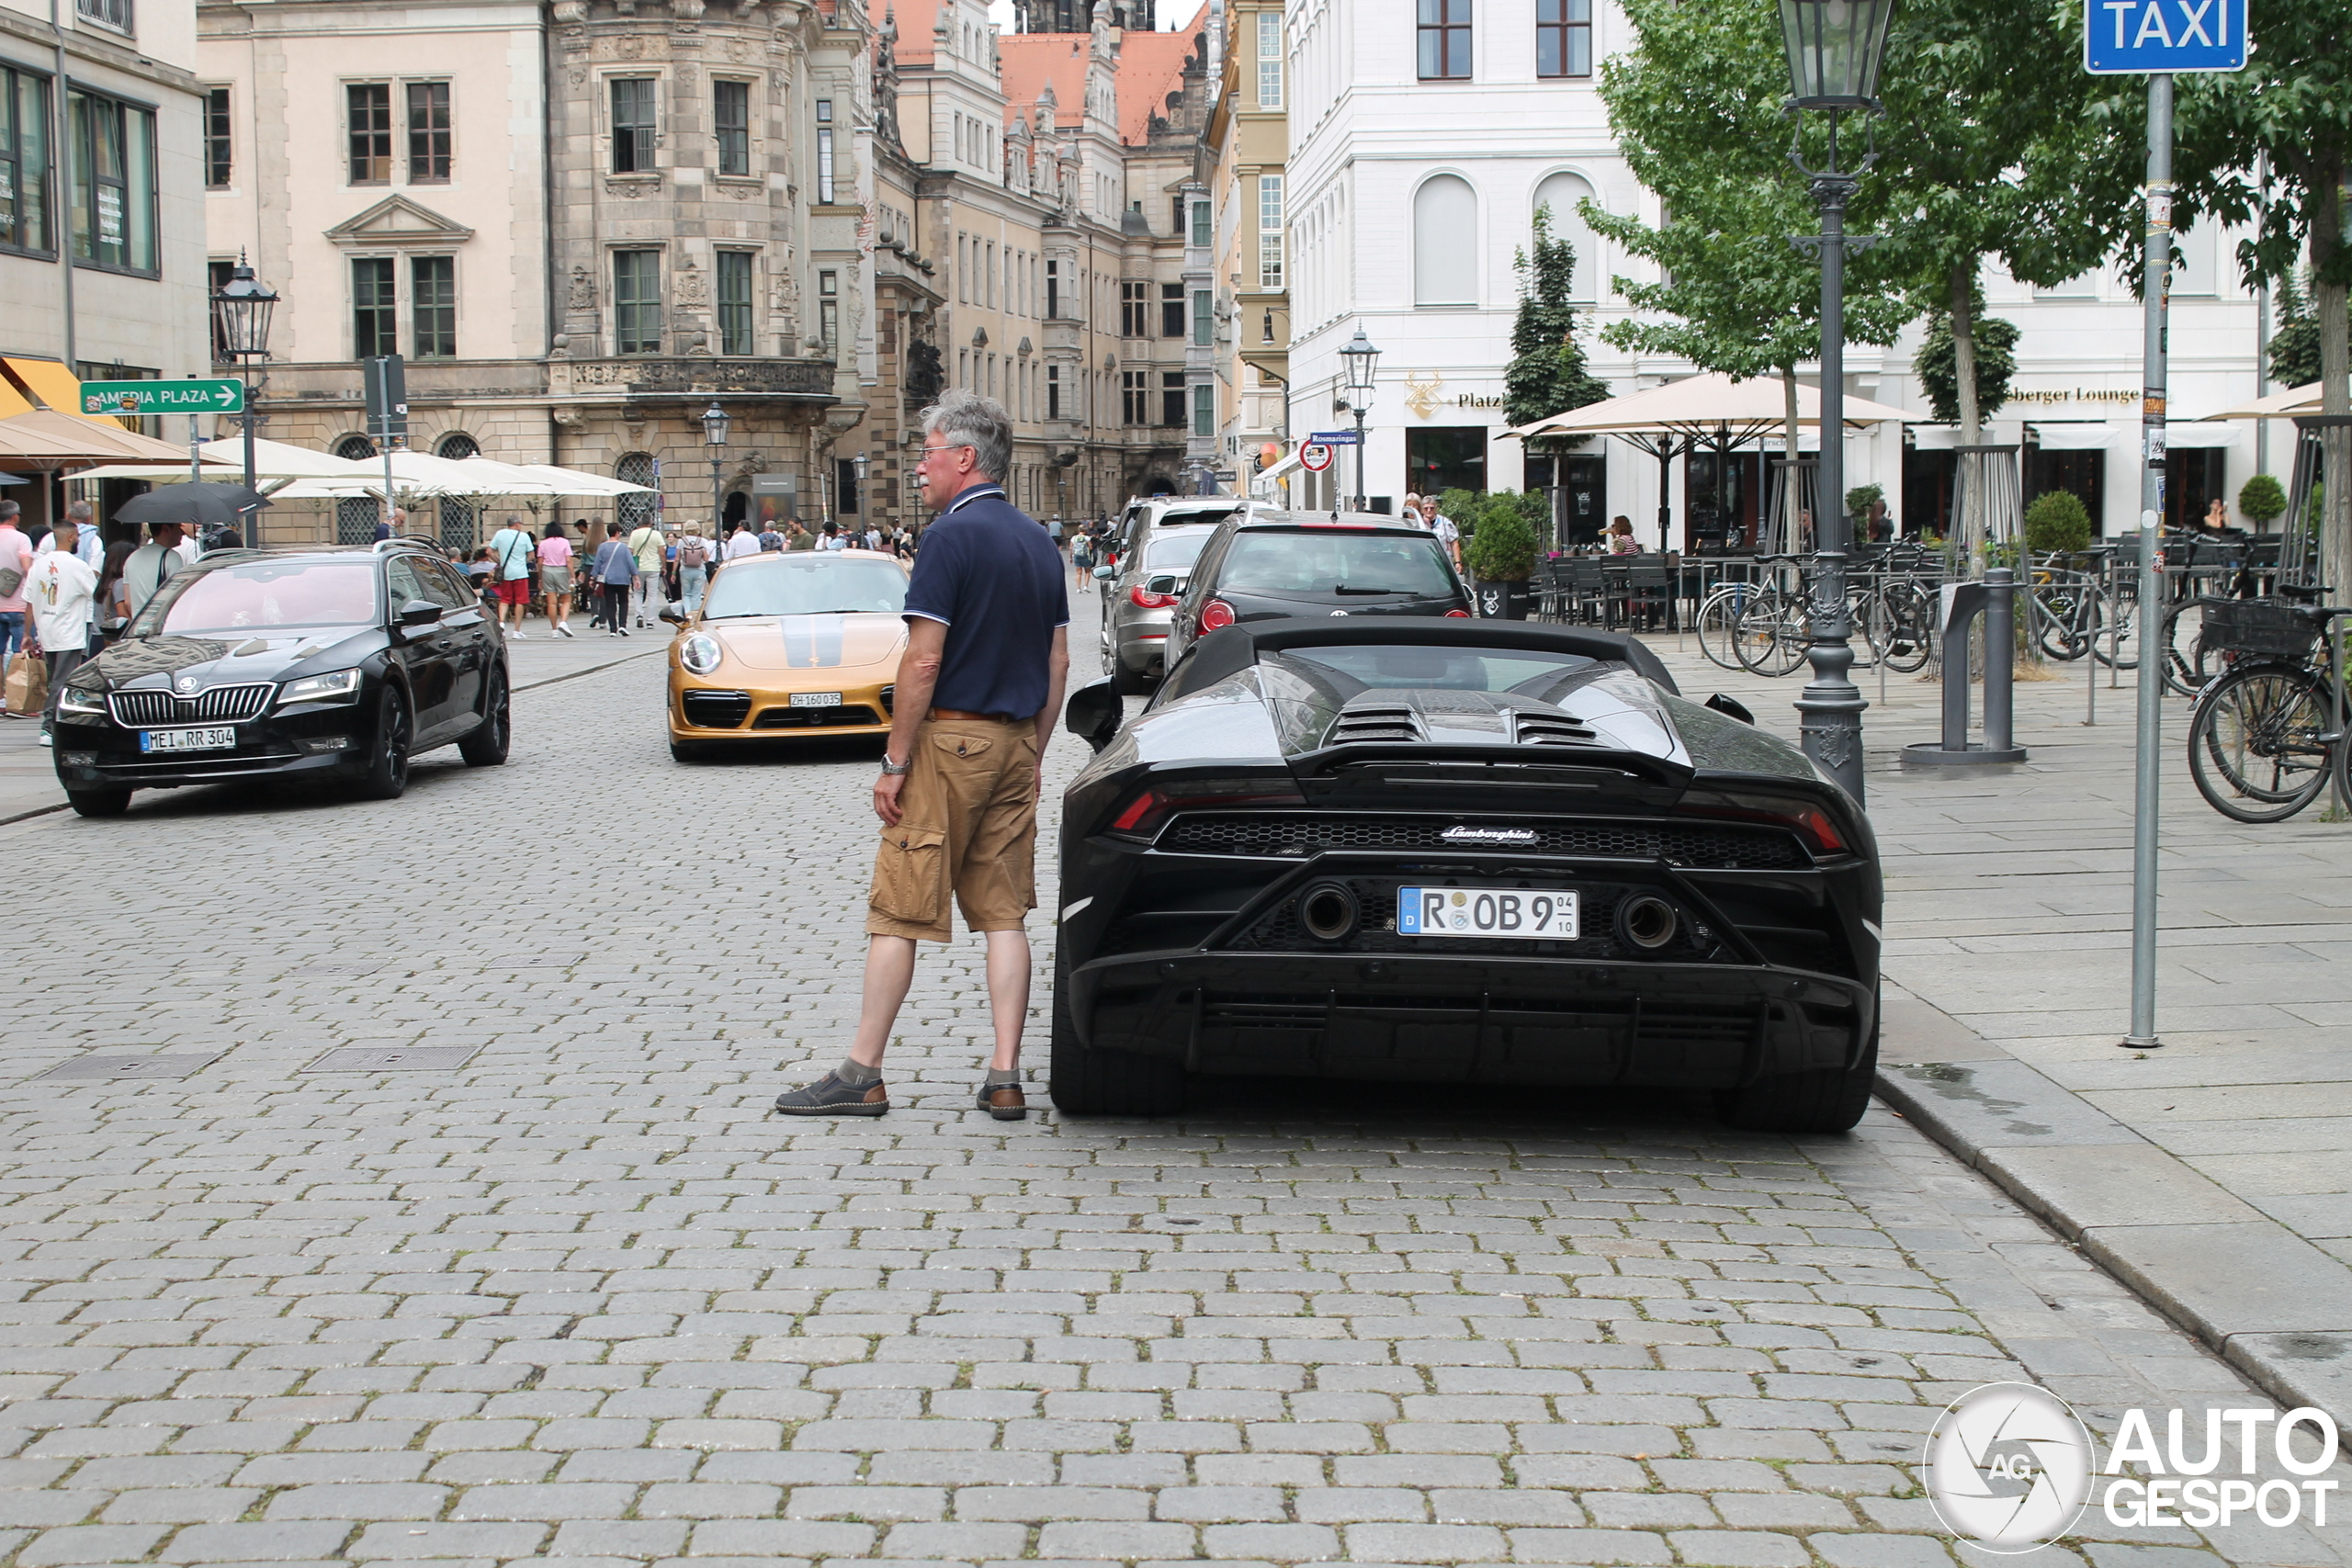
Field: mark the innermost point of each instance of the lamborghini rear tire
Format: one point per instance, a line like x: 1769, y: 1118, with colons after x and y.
x: 1829, y: 1101
x: 1106, y: 1083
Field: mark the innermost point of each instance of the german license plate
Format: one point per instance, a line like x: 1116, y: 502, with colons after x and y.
x: 221, y: 739
x: 816, y: 699
x: 1487, y: 913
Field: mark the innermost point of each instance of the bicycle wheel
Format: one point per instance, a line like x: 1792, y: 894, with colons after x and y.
x: 1911, y: 640
x: 1718, y: 627
x: 2115, y: 639
x: 1771, y: 635
x: 2062, y: 617
x: 2256, y: 746
x: 2189, y: 665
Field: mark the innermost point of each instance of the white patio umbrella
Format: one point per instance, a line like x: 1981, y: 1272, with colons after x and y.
x: 225, y: 460
x: 423, y: 474
x: 2288, y: 405
x: 1703, y: 407
x: 574, y: 483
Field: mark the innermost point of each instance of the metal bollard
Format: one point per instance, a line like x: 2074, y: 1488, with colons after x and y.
x: 1994, y: 599
x: 2000, y: 658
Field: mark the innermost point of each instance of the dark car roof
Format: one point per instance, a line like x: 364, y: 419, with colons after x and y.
x: 1236, y: 647
x: 1342, y: 521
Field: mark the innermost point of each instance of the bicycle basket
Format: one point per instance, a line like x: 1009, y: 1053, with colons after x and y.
x: 2260, y: 627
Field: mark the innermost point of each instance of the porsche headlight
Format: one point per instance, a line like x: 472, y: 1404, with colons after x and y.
x: 335, y: 686
x: 699, y: 654
x: 80, y: 699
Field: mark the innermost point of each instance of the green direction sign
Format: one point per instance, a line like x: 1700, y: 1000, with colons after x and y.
x: 163, y: 396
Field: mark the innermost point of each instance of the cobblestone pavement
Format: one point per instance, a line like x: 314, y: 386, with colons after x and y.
x: 580, y: 1301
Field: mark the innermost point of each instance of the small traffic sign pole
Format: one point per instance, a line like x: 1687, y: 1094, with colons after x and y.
x: 2161, y: 37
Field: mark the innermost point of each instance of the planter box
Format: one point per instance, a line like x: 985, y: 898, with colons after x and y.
x: 1502, y: 601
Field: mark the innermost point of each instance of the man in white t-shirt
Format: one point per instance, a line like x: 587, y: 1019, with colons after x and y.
x: 64, y: 591
x: 742, y: 542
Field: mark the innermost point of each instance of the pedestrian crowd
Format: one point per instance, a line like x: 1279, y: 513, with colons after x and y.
x: 626, y: 574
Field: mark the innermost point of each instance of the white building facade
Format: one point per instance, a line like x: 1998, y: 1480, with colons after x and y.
x: 1424, y: 136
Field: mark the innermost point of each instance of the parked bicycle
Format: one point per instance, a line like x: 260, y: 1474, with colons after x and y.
x: 2268, y: 733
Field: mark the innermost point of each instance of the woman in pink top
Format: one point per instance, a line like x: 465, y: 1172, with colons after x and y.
x: 16, y: 560
x: 554, y: 577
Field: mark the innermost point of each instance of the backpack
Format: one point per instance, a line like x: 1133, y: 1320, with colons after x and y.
x: 690, y: 552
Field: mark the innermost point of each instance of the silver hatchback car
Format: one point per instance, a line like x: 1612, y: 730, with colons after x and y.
x: 1139, y: 597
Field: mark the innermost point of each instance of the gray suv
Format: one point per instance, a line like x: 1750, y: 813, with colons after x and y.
x: 1139, y: 597
x: 1142, y: 517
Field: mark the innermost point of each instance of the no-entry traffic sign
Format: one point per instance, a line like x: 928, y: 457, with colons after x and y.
x: 2128, y: 37
x: 1314, y: 456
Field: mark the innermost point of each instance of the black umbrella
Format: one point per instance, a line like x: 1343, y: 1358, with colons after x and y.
x: 193, y: 505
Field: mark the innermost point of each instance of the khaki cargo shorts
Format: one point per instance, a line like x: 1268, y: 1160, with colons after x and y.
x: 969, y: 825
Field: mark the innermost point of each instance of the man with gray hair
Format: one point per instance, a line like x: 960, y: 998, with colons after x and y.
x: 88, y: 547
x: 978, y: 690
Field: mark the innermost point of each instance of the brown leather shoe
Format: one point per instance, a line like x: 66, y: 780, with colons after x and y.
x: 1003, y: 1101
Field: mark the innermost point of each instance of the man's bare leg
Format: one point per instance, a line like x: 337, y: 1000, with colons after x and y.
x: 1008, y: 995
x: 890, y: 971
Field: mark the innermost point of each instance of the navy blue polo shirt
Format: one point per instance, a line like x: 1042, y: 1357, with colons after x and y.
x: 990, y: 573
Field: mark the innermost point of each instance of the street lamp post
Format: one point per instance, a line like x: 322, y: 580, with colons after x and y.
x: 241, y: 312
x: 1834, y: 49
x: 1362, y: 360
x: 865, y: 496
x: 714, y: 436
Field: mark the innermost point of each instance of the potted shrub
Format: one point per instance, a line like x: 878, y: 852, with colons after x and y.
x: 2263, y: 501
x: 1501, y: 557
x: 2057, y: 522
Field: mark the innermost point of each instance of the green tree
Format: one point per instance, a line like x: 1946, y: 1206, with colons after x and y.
x: 1547, y: 373
x: 2057, y: 521
x: 2294, y: 341
x: 2287, y: 114
x: 1696, y: 106
x: 1990, y: 152
x: 1938, y: 364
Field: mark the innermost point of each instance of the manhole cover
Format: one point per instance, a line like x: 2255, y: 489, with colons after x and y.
x: 130, y: 1066
x: 393, y: 1059
x: 335, y: 971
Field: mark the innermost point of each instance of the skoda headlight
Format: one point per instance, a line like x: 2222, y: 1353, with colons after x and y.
x: 80, y: 699
x: 336, y: 686
x: 699, y: 654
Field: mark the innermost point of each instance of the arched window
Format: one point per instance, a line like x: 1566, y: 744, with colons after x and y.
x: 356, y: 515
x: 636, y: 511
x: 460, y: 517
x: 1445, y: 242
x: 1561, y: 192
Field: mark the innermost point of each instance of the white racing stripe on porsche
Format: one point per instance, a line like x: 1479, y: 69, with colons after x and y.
x: 1069, y: 909
x: 1876, y: 934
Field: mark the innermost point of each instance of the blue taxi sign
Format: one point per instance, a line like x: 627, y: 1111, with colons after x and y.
x: 2144, y: 37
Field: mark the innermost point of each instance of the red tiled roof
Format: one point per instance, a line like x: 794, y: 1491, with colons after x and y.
x: 914, y: 18
x: 1151, y: 66
x: 1032, y: 60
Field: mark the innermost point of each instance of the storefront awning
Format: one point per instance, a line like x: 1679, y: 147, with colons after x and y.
x: 2086, y: 435
x: 49, y: 382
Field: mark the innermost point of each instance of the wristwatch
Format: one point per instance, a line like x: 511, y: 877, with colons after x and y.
x: 894, y: 770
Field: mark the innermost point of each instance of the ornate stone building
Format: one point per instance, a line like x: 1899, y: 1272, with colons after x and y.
x: 581, y: 222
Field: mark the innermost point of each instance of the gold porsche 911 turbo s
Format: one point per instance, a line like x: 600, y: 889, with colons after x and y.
x: 799, y: 644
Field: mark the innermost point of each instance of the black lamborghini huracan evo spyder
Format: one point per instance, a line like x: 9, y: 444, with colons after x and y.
x: 1458, y: 852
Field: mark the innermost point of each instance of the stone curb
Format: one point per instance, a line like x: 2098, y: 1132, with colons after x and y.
x: 2267, y: 1300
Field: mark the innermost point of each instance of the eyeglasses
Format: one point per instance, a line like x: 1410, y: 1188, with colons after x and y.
x: 958, y: 446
